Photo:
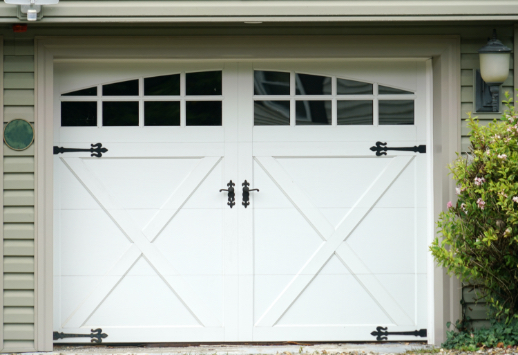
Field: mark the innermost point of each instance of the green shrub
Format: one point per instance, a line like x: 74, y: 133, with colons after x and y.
x: 499, y: 334
x: 478, y: 234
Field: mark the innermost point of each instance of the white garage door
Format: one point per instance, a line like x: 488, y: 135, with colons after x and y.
x: 332, y: 246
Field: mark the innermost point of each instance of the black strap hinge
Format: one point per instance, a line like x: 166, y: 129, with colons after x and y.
x: 381, y: 148
x: 381, y: 333
x: 97, y: 335
x: 97, y: 150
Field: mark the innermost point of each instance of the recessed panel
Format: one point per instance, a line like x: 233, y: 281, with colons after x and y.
x: 78, y: 114
x: 313, y: 112
x: 271, y: 113
x: 162, y: 113
x: 120, y: 113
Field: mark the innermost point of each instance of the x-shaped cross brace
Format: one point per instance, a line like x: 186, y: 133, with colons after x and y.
x: 142, y: 242
x: 334, y: 241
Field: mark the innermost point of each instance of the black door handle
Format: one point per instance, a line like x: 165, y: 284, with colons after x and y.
x: 231, y: 194
x: 246, y: 193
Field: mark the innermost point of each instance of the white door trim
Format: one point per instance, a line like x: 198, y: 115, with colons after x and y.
x: 445, y: 54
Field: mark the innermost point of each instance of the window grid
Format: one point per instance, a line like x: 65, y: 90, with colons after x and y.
x: 141, y: 98
x: 334, y: 98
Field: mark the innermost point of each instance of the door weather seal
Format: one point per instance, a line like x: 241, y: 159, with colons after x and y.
x: 381, y: 148
x: 97, y: 150
x: 381, y: 333
x: 97, y: 335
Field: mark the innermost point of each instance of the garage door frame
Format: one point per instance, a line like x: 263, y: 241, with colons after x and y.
x: 445, y: 54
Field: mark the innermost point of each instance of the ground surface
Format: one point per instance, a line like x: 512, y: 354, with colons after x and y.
x: 280, y: 349
x: 416, y: 348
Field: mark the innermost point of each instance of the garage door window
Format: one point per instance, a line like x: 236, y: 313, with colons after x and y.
x: 184, y: 99
x: 301, y: 99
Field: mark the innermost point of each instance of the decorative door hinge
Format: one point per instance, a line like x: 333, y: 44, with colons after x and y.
x: 97, y: 335
x: 381, y: 148
x: 97, y: 150
x: 246, y: 193
x: 382, y: 333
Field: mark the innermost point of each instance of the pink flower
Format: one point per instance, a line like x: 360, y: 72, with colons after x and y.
x: 481, y: 204
x: 479, y: 181
x: 515, y: 199
x: 449, y: 204
x: 502, y: 156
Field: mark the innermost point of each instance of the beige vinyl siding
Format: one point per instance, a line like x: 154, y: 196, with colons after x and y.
x: 18, y: 200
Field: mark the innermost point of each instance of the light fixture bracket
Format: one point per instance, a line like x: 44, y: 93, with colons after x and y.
x: 484, y: 96
x: 24, y: 12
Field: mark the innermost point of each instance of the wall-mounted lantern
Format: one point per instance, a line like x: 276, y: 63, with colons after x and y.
x: 494, y: 69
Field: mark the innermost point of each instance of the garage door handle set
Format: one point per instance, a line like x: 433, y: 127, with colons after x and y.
x: 232, y: 195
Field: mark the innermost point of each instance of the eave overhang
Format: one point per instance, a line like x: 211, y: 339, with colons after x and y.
x: 272, y: 11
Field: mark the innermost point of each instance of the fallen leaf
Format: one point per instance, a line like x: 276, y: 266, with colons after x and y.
x: 500, y: 345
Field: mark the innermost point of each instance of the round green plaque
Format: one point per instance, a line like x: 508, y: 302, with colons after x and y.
x: 18, y: 134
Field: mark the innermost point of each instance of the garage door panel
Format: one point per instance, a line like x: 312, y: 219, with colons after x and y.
x: 328, y: 149
x: 205, y: 196
x: 273, y: 196
x: 140, y: 136
x: 402, y: 192
x: 333, y: 300
x: 375, y: 240
x: 86, y: 232
x: 351, y: 177
x: 140, y: 183
x: 69, y: 191
x: 278, y: 232
x: 332, y: 134
x: 192, y: 242
x: 152, y: 302
x: 72, y: 291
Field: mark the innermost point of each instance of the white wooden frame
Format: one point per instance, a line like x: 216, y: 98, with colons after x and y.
x: 443, y: 50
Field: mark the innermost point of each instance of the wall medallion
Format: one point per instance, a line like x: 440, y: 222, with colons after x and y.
x: 18, y: 134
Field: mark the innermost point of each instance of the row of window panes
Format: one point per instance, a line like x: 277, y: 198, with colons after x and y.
x: 196, y: 84
x: 278, y: 83
x: 126, y: 113
x: 350, y: 112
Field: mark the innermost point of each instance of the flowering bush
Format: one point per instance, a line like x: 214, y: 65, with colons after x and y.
x: 478, y: 234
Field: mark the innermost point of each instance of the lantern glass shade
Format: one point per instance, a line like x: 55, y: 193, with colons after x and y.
x: 494, y: 67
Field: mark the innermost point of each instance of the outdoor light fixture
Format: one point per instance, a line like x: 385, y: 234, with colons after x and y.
x: 30, y: 9
x: 494, y: 69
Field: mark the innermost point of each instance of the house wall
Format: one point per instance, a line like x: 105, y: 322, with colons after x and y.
x: 18, y: 167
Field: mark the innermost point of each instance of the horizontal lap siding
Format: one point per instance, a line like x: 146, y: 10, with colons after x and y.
x: 18, y: 201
